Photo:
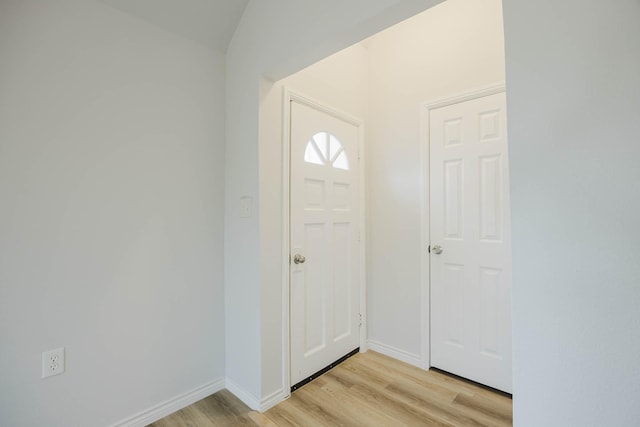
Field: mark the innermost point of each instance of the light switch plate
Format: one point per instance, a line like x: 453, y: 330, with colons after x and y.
x: 245, y: 207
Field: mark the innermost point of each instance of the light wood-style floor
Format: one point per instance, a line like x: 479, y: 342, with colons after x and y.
x: 368, y: 389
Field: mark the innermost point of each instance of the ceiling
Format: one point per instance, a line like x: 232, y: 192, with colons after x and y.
x: 210, y: 22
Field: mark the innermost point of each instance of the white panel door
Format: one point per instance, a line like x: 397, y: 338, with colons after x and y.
x: 324, y: 275
x: 470, y: 224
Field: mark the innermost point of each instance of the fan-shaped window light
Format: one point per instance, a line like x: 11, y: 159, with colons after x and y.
x: 324, y: 148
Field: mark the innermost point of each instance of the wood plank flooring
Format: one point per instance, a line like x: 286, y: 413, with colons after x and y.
x: 368, y: 389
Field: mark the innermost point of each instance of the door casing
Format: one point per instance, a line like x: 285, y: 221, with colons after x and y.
x: 288, y: 96
x: 425, y: 214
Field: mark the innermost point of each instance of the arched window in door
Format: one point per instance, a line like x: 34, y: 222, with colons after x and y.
x: 325, y: 149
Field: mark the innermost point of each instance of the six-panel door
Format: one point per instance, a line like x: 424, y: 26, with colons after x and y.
x: 469, y: 206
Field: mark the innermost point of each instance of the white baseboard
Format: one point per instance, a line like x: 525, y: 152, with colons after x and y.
x: 249, y: 399
x: 396, y: 353
x: 161, y: 410
x: 273, y: 399
x: 170, y: 406
x: 253, y: 402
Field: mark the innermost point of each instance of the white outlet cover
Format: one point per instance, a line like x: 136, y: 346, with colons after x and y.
x: 53, y: 362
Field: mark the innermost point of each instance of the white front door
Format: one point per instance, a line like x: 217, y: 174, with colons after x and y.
x: 471, y: 241
x: 324, y: 265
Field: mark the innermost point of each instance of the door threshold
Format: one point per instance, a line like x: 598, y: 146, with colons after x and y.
x: 323, y: 370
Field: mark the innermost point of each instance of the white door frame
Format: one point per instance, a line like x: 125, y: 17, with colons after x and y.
x: 425, y: 212
x: 288, y: 96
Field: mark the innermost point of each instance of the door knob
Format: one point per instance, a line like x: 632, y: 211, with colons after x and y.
x: 299, y: 259
x: 437, y: 249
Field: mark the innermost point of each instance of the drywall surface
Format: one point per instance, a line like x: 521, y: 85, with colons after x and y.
x: 111, y: 219
x: 341, y: 82
x: 274, y: 39
x: 573, y: 101
x: 454, y: 47
x: 209, y: 22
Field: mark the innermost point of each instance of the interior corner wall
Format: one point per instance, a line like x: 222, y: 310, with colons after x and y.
x: 111, y: 218
x: 341, y: 82
x: 451, y: 48
x: 242, y: 251
x: 573, y: 101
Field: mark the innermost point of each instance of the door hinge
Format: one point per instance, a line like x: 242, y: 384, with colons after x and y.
x: 429, y: 248
x: 360, y: 319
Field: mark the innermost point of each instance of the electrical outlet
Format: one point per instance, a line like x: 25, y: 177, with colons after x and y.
x: 53, y: 362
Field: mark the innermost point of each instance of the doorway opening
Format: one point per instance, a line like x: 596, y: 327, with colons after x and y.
x: 451, y: 48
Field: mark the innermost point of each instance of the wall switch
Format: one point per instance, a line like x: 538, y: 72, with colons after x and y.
x: 245, y: 207
x: 53, y: 362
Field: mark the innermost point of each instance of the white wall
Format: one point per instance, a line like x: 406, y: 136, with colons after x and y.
x: 111, y: 182
x: 274, y: 39
x: 451, y: 48
x: 340, y: 81
x: 573, y: 99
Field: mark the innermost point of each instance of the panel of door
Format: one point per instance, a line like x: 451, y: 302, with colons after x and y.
x: 471, y: 241
x: 324, y: 240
